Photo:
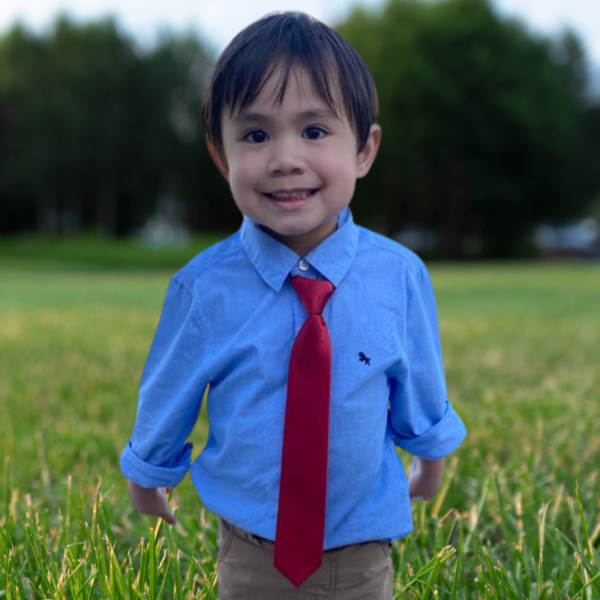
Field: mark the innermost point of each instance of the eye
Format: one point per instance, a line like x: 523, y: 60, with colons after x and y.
x: 314, y: 133
x: 256, y: 136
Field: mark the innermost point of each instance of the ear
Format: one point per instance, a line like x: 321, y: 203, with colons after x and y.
x: 221, y: 164
x: 367, y: 155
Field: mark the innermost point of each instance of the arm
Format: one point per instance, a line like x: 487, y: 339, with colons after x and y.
x: 421, y: 419
x: 173, y: 383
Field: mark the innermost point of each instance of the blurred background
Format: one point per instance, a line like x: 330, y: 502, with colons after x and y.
x: 489, y: 169
x: 490, y: 113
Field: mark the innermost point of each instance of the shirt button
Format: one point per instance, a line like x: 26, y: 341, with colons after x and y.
x: 303, y: 265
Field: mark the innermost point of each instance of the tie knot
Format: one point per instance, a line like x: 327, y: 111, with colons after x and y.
x: 313, y: 293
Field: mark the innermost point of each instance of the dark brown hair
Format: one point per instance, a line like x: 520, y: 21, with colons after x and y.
x: 290, y: 40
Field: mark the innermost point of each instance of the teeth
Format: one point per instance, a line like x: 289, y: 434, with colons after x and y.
x: 292, y: 196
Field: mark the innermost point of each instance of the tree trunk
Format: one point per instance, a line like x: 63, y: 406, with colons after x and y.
x: 421, y: 209
x: 47, y: 214
x: 391, y: 201
x: 107, y: 211
x: 72, y: 218
x: 455, y: 210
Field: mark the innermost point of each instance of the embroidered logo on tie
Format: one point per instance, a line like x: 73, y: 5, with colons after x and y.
x: 362, y: 357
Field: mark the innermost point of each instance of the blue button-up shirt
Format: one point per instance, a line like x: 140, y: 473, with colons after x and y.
x: 229, y: 321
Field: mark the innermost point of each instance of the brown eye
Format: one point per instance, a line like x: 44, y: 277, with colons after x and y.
x: 314, y: 133
x: 256, y: 136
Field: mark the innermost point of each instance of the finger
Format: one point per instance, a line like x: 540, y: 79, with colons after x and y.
x: 166, y: 514
x: 169, y: 518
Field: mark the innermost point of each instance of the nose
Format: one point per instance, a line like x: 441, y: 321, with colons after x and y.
x: 286, y: 158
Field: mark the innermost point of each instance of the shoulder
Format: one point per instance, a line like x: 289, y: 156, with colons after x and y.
x: 395, y: 255
x: 204, y: 264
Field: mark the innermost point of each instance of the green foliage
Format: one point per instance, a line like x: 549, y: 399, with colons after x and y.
x: 93, y: 252
x: 482, y: 122
x: 517, y: 516
x: 488, y: 128
x: 99, y: 129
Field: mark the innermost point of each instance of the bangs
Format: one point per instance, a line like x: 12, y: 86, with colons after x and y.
x: 281, y: 45
x: 292, y: 53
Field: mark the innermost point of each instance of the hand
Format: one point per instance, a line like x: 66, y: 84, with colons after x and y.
x: 151, y: 501
x: 425, y: 478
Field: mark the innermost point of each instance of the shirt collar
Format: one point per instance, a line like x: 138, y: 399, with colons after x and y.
x: 274, y: 260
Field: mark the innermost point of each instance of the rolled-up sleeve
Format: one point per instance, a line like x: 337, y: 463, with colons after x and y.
x: 170, y: 397
x: 421, y: 419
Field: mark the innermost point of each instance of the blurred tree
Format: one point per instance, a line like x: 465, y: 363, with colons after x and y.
x: 181, y: 65
x: 482, y: 124
x: 102, y: 129
x: 592, y: 127
x: 91, y: 83
x: 26, y: 162
x: 4, y: 122
x: 487, y: 128
x: 569, y: 54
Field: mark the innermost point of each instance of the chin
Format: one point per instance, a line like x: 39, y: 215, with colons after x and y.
x: 292, y: 232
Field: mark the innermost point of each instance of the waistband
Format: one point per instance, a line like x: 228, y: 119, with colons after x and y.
x: 259, y: 541
x: 246, y: 535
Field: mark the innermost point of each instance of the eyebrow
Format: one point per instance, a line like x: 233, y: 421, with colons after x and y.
x: 307, y: 115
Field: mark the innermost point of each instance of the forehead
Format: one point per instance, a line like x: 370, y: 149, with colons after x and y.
x: 293, y: 87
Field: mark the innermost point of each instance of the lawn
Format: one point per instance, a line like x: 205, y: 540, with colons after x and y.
x: 517, y: 517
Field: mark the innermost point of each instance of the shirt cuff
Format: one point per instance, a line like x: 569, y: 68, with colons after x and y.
x: 438, y: 441
x: 148, y: 475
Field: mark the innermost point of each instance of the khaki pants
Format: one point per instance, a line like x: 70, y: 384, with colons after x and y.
x: 246, y: 571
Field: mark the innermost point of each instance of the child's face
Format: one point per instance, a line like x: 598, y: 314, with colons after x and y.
x: 292, y: 167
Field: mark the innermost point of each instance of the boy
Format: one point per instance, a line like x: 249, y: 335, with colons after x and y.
x: 318, y: 338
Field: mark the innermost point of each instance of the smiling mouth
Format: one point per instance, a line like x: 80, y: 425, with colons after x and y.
x: 291, y: 195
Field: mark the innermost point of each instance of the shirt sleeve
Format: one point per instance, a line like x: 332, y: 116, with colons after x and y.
x: 170, y: 397
x: 421, y: 419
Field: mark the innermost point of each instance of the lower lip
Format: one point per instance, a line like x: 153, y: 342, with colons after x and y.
x: 291, y: 204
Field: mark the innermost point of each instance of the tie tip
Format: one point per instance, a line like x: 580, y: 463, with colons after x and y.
x: 295, y: 575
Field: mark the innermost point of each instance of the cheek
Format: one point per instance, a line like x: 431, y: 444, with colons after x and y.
x: 346, y: 190
x: 245, y: 170
x: 340, y: 170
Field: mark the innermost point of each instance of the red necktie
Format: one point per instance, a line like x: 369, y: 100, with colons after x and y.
x: 303, y: 488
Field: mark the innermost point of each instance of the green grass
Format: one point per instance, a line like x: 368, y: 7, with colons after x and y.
x: 92, y: 252
x: 518, y: 516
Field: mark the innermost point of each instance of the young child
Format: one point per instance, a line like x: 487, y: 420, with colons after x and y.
x: 319, y: 338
